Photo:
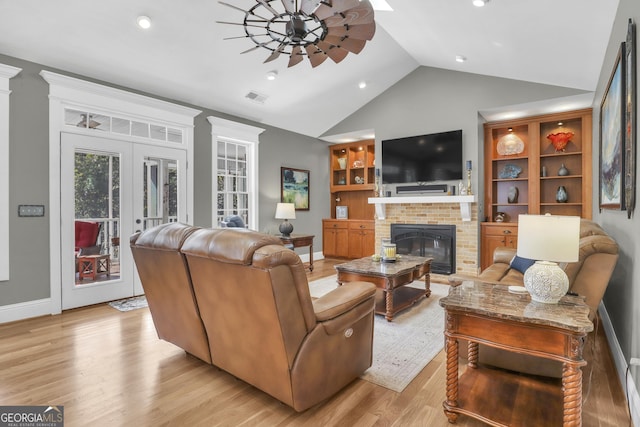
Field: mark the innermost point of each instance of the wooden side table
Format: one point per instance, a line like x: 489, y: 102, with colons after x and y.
x: 491, y: 315
x: 92, y: 265
x: 300, y: 241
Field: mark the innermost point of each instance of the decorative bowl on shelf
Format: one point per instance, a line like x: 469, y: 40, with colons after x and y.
x: 510, y: 145
x: 559, y: 140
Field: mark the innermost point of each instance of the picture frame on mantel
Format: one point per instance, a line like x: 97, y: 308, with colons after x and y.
x: 294, y: 187
x: 612, y: 130
x: 630, y: 121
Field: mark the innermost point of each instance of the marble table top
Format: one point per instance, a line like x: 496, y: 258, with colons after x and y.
x: 378, y: 268
x: 570, y: 313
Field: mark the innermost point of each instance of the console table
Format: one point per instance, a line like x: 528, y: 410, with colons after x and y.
x: 300, y: 241
x: 494, y: 316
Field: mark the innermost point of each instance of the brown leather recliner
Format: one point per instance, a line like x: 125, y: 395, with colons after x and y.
x: 261, y: 323
x: 167, y: 285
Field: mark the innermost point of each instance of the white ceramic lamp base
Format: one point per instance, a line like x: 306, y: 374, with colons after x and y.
x: 546, y: 282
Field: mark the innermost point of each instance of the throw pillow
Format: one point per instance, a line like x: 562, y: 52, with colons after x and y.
x: 521, y: 264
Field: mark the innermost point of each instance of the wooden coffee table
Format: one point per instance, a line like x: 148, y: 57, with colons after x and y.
x: 390, y: 278
x: 494, y: 316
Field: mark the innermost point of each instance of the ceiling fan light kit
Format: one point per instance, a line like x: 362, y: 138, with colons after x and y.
x: 316, y: 29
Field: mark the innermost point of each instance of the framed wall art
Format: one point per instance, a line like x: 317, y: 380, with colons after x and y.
x: 294, y: 187
x: 612, y: 128
x: 630, y: 121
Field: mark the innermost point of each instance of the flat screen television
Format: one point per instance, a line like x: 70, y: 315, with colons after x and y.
x: 423, y: 158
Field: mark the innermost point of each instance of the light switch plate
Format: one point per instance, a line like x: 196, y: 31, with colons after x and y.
x: 31, y: 210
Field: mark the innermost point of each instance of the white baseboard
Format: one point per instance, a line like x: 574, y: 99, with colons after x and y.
x: 316, y: 256
x: 621, y: 365
x: 25, y: 310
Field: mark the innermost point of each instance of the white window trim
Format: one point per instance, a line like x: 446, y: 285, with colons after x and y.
x: 65, y: 92
x: 234, y: 131
x: 6, y: 72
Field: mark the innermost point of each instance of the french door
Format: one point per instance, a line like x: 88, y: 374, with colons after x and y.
x: 110, y: 189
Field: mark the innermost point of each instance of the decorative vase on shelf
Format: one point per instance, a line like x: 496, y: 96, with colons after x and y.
x: 342, y: 161
x: 512, y: 195
x: 561, y: 195
x: 563, y: 171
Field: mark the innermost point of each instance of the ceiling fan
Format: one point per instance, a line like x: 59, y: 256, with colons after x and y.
x: 317, y: 29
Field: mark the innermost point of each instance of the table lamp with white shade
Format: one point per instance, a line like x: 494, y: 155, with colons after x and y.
x: 286, y: 211
x: 549, y: 239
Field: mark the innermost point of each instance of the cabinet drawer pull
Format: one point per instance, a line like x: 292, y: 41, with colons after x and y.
x: 507, y: 231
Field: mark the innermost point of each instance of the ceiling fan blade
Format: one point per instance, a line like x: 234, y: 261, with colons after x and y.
x: 335, y: 53
x: 352, y: 45
x: 324, y: 10
x: 308, y: 6
x: 275, y: 54
x: 289, y: 5
x: 360, y: 32
x: 258, y: 46
x: 296, y: 56
x: 316, y: 56
x: 239, y: 23
x: 267, y: 6
x: 233, y: 7
x: 363, y: 14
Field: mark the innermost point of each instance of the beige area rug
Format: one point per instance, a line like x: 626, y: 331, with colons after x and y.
x: 402, y: 348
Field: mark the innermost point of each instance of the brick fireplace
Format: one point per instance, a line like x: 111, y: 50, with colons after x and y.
x: 437, y: 213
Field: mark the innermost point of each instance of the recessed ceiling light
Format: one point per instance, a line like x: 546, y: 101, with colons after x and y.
x: 460, y: 58
x: 144, y: 22
x: 362, y: 85
x: 271, y: 75
x: 480, y: 3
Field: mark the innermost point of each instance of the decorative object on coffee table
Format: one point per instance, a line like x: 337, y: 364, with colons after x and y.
x: 559, y: 140
x: 561, y: 195
x: 551, y: 239
x: 512, y: 195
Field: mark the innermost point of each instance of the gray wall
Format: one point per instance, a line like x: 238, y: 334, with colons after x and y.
x: 622, y: 299
x: 434, y: 100
x: 29, y: 178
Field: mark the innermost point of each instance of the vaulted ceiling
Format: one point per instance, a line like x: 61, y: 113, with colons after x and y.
x: 183, y: 55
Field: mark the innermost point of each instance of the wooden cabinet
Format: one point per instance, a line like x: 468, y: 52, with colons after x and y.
x: 352, y: 181
x: 335, y: 238
x: 362, y: 238
x: 523, y: 170
x: 352, y: 166
x: 494, y: 235
x: 343, y: 238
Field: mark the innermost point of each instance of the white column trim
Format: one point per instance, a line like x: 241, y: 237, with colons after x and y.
x: 222, y: 128
x: 6, y: 72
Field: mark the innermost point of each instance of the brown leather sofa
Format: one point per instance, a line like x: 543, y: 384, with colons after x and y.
x: 240, y: 300
x: 589, y: 277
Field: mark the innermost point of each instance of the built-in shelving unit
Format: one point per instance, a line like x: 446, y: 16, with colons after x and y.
x: 523, y: 145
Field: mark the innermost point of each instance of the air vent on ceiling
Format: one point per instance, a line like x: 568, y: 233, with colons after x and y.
x: 256, y: 97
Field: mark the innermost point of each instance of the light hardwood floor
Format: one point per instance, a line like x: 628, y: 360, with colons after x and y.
x: 108, y: 368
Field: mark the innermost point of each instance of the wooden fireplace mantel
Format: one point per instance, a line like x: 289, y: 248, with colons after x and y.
x: 465, y: 203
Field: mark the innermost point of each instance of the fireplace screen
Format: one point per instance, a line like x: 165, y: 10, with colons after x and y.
x: 432, y: 241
